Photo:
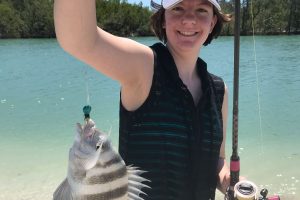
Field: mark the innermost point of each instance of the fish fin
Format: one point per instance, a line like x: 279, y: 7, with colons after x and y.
x: 135, y: 190
x: 136, y: 178
x: 63, y: 192
x: 135, y: 184
x: 134, y: 196
x: 134, y: 170
x: 137, y: 171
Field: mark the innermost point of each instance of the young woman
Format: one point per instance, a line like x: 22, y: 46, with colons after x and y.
x: 173, y: 113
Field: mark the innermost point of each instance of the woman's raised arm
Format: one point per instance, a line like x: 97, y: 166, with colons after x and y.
x: 119, y: 58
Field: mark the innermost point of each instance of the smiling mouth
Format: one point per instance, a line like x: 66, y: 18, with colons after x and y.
x: 187, y: 33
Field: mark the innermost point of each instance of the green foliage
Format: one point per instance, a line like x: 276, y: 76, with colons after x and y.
x: 269, y: 17
x: 293, y: 16
x: 227, y: 8
x: 10, y: 21
x: 38, y: 18
x: 34, y: 18
x: 122, y: 18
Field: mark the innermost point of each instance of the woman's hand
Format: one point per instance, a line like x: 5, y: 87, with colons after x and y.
x: 224, y: 176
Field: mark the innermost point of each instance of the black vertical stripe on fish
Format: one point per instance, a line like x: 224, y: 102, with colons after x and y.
x: 116, y: 159
x: 107, y: 177
x: 113, y: 194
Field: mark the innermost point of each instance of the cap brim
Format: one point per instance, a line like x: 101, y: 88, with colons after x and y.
x: 216, y: 4
x: 167, y: 4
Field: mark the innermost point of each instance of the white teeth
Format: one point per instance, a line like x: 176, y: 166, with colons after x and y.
x: 187, y: 33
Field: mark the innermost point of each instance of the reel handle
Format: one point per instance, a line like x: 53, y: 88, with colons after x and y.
x: 264, y: 193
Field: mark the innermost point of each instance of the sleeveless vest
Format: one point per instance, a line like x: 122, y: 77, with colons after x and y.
x: 174, y: 140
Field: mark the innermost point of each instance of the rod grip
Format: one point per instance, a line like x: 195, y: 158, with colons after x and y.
x: 275, y: 197
x: 234, y: 170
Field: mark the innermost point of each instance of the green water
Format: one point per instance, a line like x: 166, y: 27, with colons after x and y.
x: 43, y: 90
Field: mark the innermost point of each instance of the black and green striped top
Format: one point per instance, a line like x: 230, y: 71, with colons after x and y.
x: 176, y: 142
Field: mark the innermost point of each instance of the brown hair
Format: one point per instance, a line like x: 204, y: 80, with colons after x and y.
x: 158, y: 18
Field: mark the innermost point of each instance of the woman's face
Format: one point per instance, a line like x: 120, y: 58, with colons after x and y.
x: 189, y: 23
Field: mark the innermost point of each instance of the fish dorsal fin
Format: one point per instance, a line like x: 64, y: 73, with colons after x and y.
x: 135, y: 183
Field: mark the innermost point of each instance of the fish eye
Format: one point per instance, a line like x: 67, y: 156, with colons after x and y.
x: 97, y: 147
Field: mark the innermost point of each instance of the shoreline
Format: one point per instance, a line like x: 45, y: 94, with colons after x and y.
x: 149, y: 36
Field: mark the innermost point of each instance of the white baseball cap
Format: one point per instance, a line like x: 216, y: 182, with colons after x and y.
x: 170, y: 3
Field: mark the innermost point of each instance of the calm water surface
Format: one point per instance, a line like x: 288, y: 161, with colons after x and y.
x: 43, y: 90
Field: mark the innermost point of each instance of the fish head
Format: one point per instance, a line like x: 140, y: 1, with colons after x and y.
x: 88, y: 144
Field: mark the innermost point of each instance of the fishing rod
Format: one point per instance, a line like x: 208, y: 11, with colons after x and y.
x: 235, y: 159
x: 239, y: 190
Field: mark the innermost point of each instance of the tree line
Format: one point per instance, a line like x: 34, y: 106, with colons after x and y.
x: 34, y: 18
x: 266, y: 16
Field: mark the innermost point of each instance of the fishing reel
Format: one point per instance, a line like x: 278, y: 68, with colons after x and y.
x: 246, y: 190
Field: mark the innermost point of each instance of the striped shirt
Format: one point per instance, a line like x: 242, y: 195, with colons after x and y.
x: 174, y: 140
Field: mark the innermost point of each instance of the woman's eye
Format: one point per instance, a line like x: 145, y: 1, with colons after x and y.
x: 177, y: 8
x: 201, y: 10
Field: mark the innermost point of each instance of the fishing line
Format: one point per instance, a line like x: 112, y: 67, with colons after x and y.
x: 86, y: 86
x: 257, y: 81
x: 87, y: 108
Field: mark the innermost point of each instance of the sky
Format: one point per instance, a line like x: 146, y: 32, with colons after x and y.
x: 145, y: 2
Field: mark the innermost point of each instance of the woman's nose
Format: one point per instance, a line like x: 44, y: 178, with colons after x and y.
x: 189, y: 17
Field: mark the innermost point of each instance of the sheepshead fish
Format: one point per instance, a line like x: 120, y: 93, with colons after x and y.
x: 96, y: 171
